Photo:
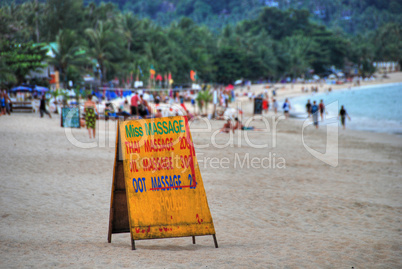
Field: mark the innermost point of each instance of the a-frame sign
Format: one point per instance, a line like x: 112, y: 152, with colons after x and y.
x: 157, y: 189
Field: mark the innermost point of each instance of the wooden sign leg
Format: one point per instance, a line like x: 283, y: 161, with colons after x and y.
x: 109, y: 235
x: 132, y: 244
x: 193, y: 239
x: 215, y: 241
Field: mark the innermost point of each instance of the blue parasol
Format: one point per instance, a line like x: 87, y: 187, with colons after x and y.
x: 21, y: 89
x: 40, y: 89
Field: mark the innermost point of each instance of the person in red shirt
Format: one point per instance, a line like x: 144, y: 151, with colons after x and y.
x: 265, y: 105
x: 134, y: 104
x: 321, y: 107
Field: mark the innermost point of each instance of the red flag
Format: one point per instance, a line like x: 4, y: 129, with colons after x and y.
x: 159, y: 77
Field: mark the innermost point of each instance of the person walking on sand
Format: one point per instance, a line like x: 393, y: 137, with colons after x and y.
x: 321, y: 106
x: 343, y: 114
x: 314, y: 112
x: 42, y: 107
x: 90, y: 118
x: 308, y: 108
x: 286, y: 107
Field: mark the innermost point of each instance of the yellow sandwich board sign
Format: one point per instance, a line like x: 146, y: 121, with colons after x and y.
x: 163, y: 192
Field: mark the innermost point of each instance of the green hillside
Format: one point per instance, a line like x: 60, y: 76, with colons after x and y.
x: 350, y: 16
x: 228, y: 40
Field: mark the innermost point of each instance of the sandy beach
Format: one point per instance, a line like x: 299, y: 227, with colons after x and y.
x: 292, y: 90
x: 290, y: 211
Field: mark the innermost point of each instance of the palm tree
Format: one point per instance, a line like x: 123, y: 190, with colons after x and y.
x: 56, y: 93
x: 6, y: 74
x: 127, y: 23
x: 296, y: 51
x: 203, y: 98
x: 67, y: 53
x: 103, y: 46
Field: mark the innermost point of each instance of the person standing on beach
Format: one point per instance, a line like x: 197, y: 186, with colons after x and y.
x: 265, y: 105
x: 308, y: 108
x: 314, y: 112
x: 2, y: 104
x: 143, y: 108
x: 321, y: 106
x: 8, y: 102
x: 42, y: 107
x: 134, y: 104
x: 90, y: 118
x: 286, y: 107
x: 343, y: 114
x: 275, y: 105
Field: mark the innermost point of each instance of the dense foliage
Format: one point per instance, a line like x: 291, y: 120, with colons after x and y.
x: 101, y: 41
x: 351, y: 16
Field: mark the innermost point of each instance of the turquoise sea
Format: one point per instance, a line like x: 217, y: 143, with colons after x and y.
x: 374, y: 108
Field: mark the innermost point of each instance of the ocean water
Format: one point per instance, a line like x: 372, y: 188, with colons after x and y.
x: 374, y: 108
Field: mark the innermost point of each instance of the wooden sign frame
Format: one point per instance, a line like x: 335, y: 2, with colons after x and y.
x: 258, y: 99
x: 119, y: 216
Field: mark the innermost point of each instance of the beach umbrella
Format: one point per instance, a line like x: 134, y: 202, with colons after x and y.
x: 237, y: 82
x: 21, y: 89
x: 195, y: 87
x: 316, y: 77
x: 69, y: 93
x: 229, y: 87
x: 340, y: 74
x: 332, y: 76
x: 40, y: 89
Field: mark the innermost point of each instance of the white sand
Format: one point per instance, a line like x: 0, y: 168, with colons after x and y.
x: 55, y: 202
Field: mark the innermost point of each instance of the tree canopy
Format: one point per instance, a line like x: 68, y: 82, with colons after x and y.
x: 102, y: 41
